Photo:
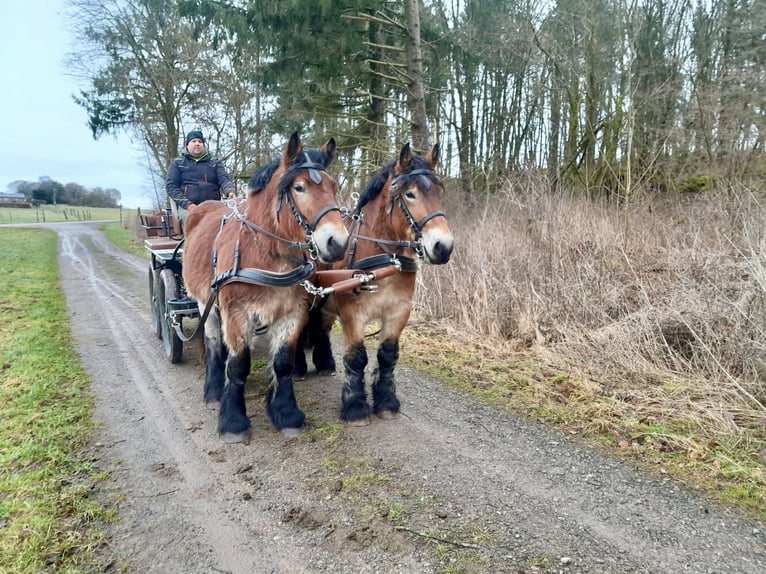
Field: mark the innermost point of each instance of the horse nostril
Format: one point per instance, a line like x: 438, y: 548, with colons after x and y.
x: 337, y: 249
x: 442, y: 252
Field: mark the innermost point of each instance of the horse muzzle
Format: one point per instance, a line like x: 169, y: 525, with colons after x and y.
x: 331, y: 242
x: 438, y: 247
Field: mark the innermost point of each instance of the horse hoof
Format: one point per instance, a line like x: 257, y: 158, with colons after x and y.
x: 291, y: 433
x: 232, y: 438
x: 360, y: 422
x: 299, y: 377
x: 212, y: 405
x: 387, y: 415
x: 326, y: 373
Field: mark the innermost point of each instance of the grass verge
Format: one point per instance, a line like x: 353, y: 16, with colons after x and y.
x: 641, y: 429
x: 48, y: 519
x: 124, y: 237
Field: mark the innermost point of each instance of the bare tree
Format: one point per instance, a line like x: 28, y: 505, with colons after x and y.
x: 142, y: 66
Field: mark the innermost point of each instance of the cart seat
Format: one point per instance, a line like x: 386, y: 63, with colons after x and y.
x: 161, y: 243
x: 162, y: 223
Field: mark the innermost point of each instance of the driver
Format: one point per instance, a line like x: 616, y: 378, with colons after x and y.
x: 196, y: 177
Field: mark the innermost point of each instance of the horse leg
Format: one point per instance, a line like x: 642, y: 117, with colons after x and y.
x: 233, y: 423
x: 281, y: 405
x: 316, y: 336
x: 301, y: 368
x: 354, y: 397
x: 320, y: 339
x: 216, y: 354
x: 384, y: 398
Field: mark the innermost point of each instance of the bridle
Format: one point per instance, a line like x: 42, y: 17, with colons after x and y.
x: 305, y: 266
x: 385, y: 244
x: 285, y: 194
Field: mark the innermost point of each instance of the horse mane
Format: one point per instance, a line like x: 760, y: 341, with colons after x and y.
x: 380, y: 177
x: 263, y: 175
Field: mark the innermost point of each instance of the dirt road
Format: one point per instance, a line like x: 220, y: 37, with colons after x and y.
x: 449, y: 486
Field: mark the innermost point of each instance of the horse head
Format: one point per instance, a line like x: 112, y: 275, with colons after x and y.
x: 299, y: 184
x: 415, y: 189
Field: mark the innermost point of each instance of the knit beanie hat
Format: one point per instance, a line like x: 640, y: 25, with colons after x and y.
x: 194, y: 134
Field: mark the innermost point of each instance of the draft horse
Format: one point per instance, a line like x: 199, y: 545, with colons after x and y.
x: 396, y: 223
x: 245, y: 265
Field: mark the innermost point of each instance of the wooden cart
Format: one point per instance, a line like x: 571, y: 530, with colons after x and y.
x: 170, y: 304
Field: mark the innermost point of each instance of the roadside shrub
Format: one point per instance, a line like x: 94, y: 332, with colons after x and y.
x: 654, y: 290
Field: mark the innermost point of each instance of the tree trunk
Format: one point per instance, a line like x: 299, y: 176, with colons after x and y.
x: 416, y: 99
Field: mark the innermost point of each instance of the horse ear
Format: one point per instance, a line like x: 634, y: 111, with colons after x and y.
x: 293, y: 150
x: 405, y: 158
x: 328, y: 149
x: 433, y: 155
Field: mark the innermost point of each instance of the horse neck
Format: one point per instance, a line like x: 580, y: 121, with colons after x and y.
x: 378, y: 223
x: 261, y: 211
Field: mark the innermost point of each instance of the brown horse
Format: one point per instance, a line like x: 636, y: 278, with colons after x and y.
x: 252, y: 260
x: 396, y: 222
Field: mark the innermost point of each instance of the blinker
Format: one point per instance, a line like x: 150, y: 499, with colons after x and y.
x: 315, y: 176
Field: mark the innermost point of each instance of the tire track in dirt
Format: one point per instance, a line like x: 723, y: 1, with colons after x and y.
x: 165, y: 436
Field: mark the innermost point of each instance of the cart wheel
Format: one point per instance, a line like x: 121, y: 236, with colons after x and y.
x: 174, y: 347
x: 154, y: 302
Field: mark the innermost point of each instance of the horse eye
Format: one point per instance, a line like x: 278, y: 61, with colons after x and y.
x: 410, y: 195
x: 298, y: 188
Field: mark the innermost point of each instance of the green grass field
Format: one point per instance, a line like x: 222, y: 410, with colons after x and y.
x: 49, y: 521
x: 57, y: 213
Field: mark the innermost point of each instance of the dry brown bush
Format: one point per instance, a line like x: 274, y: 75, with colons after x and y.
x: 662, y: 300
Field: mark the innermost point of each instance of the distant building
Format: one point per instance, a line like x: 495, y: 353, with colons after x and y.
x: 13, y: 200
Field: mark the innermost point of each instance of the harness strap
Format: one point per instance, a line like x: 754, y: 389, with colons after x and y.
x: 202, y: 319
x: 411, y: 173
x: 253, y: 277
x: 407, y: 264
x: 321, y: 214
x: 254, y: 227
x: 419, y: 225
x: 354, y: 234
x: 269, y: 278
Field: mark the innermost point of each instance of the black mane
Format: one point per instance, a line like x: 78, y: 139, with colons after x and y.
x: 263, y: 175
x: 379, y: 178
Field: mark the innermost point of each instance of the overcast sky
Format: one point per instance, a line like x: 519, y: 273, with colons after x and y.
x: 44, y: 132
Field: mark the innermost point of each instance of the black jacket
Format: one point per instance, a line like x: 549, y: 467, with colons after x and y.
x: 192, y: 180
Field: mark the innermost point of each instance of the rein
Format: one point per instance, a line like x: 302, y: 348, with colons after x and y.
x: 253, y: 276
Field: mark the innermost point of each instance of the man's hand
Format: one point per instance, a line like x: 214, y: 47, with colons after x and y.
x: 192, y: 207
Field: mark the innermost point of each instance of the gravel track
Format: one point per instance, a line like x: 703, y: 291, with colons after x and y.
x: 448, y: 486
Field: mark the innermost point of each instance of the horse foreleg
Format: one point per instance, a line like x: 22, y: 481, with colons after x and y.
x: 216, y: 354
x: 281, y: 405
x: 316, y: 335
x: 354, y: 396
x: 233, y: 423
x: 384, y: 398
x: 320, y: 340
x: 300, y: 368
